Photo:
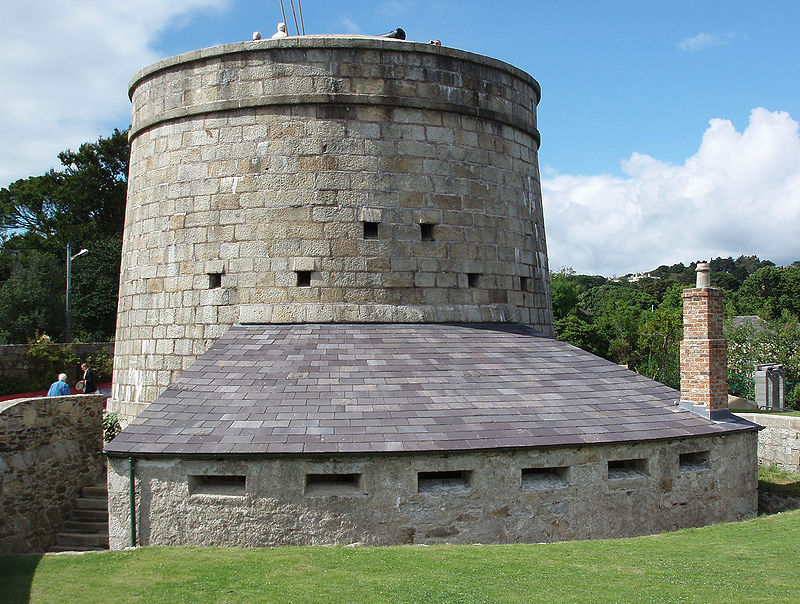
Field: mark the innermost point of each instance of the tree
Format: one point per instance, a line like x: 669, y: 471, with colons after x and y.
x: 660, y: 333
x: 32, y: 298
x: 770, y: 290
x: 764, y: 341
x: 84, y: 204
x: 564, y: 293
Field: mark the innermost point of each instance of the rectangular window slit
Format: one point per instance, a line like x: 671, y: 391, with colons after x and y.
x: 214, y: 280
x: 693, y: 462
x: 542, y: 479
x: 217, y: 485
x: 473, y: 279
x: 426, y: 229
x: 303, y: 278
x: 623, y: 469
x: 333, y: 484
x: 370, y: 230
x: 523, y: 283
x: 444, y: 482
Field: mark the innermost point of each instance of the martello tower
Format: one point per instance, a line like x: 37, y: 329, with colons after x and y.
x: 324, y: 179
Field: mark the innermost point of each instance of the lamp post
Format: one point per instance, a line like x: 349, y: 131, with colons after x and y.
x: 70, y: 258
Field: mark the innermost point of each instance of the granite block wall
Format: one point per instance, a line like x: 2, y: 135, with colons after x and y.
x: 324, y: 179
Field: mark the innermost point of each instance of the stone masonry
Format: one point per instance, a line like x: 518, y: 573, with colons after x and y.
x: 324, y: 179
x: 335, y: 322
x: 50, y: 447
x: 521, y: 496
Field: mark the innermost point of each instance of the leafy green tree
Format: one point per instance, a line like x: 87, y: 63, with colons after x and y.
x: 31, y: 298
x: 771, y: 290
x: 564, y: 293
x: 660, y: 333
x: 95, y: 285
x: 83, y: 204
x: 764, y: 341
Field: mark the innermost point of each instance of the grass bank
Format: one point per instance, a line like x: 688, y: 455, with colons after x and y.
x: 776, y: 480
x: 756, y: 560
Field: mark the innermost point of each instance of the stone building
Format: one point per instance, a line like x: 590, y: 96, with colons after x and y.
x: 335, y: 322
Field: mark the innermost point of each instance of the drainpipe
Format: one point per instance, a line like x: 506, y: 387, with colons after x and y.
x: 132, y: 493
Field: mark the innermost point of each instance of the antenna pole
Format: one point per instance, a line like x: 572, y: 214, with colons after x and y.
x: 303, y: 25
x: 295, y: 17
x: 283, y: 12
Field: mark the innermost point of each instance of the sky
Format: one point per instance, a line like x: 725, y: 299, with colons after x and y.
x: 669, y: 129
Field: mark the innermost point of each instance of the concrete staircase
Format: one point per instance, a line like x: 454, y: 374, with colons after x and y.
x: 87, y: 526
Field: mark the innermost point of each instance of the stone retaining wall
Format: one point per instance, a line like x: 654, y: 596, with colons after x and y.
x: 50, y: 447
x: 779, y: 441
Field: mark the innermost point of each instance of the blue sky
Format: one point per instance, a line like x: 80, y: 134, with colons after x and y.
x: 669, y: 129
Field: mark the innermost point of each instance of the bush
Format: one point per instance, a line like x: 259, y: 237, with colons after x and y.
x: 111, y: 426
x: 47, y: 360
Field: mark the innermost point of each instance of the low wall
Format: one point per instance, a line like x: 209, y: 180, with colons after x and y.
x: 50, y: 447
x: 779, y: 441
x: 497, y: 496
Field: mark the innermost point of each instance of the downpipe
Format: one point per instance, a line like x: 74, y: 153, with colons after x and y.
x: 132, y: 495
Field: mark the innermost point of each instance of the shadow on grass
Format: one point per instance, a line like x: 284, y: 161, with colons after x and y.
x: 17, y: 573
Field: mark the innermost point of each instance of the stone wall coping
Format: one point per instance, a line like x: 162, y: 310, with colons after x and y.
x: 329, y: 41
x: 6, y: 405
x: 768, y: 420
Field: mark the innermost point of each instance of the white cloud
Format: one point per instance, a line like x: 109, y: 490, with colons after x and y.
x: 65, y: 71
x: 704, y: 40
x: 739, y: 194
x: 350, y: 26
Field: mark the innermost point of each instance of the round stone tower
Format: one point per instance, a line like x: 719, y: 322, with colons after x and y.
x: 324, y: 179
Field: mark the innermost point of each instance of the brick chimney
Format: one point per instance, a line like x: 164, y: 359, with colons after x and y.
x: 704, y: 351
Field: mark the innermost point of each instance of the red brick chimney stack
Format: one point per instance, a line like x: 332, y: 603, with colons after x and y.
x: 704, y: 351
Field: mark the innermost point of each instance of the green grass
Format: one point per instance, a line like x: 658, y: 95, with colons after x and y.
x: 772, y: 478
x: 756, y: 560
x: 769, y: 411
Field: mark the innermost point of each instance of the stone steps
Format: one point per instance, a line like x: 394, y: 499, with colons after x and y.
x: 86, y: 529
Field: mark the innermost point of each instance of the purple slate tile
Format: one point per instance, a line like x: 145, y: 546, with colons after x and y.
x: 425, y: 387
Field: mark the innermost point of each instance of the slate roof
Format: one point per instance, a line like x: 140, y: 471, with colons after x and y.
x: 345, y: 388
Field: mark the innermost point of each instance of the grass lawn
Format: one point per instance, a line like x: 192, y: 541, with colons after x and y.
x: 770, y: 411
x: 755, y: 560
x: 772, y: 478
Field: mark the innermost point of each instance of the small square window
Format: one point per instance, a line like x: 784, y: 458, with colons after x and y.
x: 370, y: 230
x: 214, y: 280
x: 473, y: 279
x: 426, y: 230
x: 333, y: 484
x: 544, y: 479
x: 303, y: 278
x: 523, y: 283
x: 626, y: 469
x: 218, y: 485
x: 444, y: 482
x: 693, y: 462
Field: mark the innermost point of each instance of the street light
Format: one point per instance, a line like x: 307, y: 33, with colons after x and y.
x: 70, y: 258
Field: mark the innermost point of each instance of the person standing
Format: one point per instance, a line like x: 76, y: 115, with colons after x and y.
x: 59, y: 387
x: 89, y: 384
